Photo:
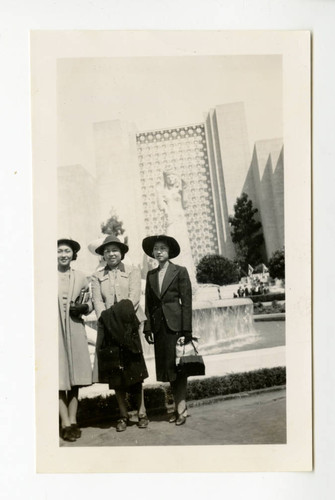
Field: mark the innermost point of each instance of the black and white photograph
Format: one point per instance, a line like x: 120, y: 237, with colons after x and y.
x: 190, y: 148
x: 171, y: 193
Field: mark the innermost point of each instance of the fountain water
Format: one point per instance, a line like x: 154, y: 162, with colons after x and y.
x: 220, y: 324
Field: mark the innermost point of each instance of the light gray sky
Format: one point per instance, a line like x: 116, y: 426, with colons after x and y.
x: 161, y: 92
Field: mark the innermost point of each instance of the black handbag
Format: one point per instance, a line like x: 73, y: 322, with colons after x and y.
x: 191, y: 364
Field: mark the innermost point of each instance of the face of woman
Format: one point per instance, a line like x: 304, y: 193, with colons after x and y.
x: 65, y: 254
x: 161, y: 252
x: 112, y: 255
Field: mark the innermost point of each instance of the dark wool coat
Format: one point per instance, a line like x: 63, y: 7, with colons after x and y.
x: 120, y: 359
x: 169, y: 315
x: 174, y: 303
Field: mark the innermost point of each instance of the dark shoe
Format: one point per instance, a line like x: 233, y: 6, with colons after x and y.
x: 181, y: 419
x: 173, y: 417
x: 67, y: 434
x: 121, y: 424
x: 143, y: 422
x: 76, y: 431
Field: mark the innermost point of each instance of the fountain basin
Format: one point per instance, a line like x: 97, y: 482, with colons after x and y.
x: 223, y: 324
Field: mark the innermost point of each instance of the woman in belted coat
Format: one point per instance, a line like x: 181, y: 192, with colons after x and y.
x: 74, y: 361
x: 168, y: 307
x: 112, y: 289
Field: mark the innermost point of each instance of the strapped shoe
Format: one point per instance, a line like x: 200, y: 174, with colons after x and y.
x: 173, y: 417
x: 181, y: 418
x: 121, y: 424
x: 67, y: 434
x: 143, y: 422
x: 76, y: 431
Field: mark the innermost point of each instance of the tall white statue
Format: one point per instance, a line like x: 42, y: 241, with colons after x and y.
x: 172, y: 200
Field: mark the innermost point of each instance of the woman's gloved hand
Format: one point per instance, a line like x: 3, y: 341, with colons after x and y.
x: 149, y: 337
x: 78, y: 309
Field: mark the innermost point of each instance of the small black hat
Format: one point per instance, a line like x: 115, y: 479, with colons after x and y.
x: 108, y: 241
x: 149, y: 242
x: 74, y: 245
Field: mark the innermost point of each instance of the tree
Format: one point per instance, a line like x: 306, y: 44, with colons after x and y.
x: 277, y: 264
x: 113, y: 225
x: 217, y: 270
x: 246, y: 232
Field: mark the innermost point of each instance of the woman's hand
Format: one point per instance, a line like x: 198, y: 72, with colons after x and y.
x: 78, y: 309
x: 149, y: 337
x: 188, y: 337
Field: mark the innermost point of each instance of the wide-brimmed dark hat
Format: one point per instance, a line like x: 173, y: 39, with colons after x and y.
x: 74, y: 245
x: 149, y: 242
x: 108, y: 241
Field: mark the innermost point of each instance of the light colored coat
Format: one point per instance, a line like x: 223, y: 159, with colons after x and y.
x: 74, y: 360
x: 127, y: 285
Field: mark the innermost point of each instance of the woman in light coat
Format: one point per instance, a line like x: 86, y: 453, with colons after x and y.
x: 74, y: 361
x: 115, y: 283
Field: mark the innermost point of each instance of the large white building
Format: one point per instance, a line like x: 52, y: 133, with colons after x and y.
x: 212, y: 159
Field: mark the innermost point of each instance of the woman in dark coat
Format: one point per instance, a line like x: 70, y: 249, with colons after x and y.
x: 168, y: 307
x: 116, y: 292
x: 74, y: 361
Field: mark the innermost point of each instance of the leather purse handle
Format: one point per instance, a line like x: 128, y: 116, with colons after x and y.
x: 195, y: 349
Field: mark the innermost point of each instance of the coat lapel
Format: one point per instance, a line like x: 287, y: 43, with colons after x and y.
x: 123, y: 270
x: 153, y: 277
x: 170, y: 274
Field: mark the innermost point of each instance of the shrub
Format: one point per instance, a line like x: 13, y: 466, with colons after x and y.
x: 277, y: 265
x: 246, y: 232
x: 259, y: 308
x: 269, y: 297
x: 235, y: 383
x: 217, y: 270
x: 158, y: 398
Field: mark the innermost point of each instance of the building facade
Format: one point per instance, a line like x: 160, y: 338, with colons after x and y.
x: 264, y: 185
x: 77, y: 212
x: 210, y: 165
x: 180, y: 151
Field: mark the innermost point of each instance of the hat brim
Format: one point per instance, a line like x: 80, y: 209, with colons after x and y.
x: 100, y: 250
x: 71, y: 243
x: 95, y: 244
x: 149, y: 242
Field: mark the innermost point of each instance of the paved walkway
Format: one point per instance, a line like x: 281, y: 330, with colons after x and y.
x: 254, y: 419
